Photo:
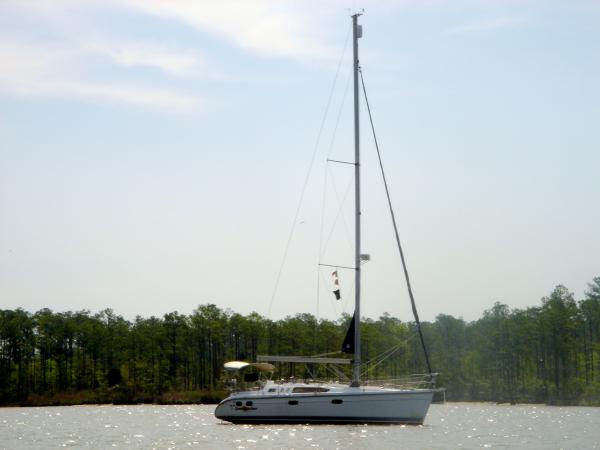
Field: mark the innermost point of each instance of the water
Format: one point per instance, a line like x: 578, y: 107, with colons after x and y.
x: 450, y: 426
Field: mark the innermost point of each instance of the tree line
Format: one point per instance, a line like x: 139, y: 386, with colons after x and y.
x: 548, y: 353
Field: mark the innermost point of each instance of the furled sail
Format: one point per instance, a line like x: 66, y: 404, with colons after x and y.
x: 348, y: 344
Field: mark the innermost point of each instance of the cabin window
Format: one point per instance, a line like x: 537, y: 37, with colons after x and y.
x: 293, y: 402
x: 309, y: 389
x: 337, y: 401
x: 272, y: 390
x: 248, y: 403
x: 238, y: 403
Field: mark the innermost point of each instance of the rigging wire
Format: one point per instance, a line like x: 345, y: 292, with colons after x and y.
x: 321, y: 241
x: 310, y: 166
x: 387, y: 192
x: 339, y: 214
x: 379, y: 359
x: 340, y: 111
x: 329, y: 171
x: 326, y: 177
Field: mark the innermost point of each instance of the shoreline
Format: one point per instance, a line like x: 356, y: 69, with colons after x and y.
x: 118, y: 397
x: 205, y: 398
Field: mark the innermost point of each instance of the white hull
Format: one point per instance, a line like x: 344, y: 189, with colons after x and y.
x: 337, y: 405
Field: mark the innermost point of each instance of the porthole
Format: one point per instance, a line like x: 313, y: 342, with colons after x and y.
x: 293, y: 402
x: 248, y: 403
x: 238, y: 403
x: 337, y: 401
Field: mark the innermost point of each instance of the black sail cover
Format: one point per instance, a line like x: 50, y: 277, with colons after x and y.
x: 348, y: 344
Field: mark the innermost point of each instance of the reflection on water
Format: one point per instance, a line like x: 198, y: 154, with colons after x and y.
x: 450, y: 426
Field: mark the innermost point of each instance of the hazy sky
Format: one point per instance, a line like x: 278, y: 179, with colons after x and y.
x: 153, y: 152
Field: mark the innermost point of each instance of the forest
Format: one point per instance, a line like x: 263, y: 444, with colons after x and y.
x: 548, y: 353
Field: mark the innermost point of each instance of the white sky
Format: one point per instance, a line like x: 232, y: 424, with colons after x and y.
x: 152, y: 153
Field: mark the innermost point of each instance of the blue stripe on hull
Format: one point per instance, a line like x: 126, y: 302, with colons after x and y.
x: 321, y: 420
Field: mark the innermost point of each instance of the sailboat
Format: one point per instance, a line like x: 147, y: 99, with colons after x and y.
x: 329, y: 402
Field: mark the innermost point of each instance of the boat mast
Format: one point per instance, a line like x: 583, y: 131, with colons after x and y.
x: 356, y: 34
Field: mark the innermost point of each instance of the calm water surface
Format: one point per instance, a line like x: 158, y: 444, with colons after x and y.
x: 450, y: 426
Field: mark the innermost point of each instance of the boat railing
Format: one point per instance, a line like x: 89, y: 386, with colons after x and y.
x: 413, y: 381
x: 317, y: 381
x: 234, y: 385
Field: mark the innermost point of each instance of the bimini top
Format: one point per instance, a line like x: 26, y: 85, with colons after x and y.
x: 238, y: 365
